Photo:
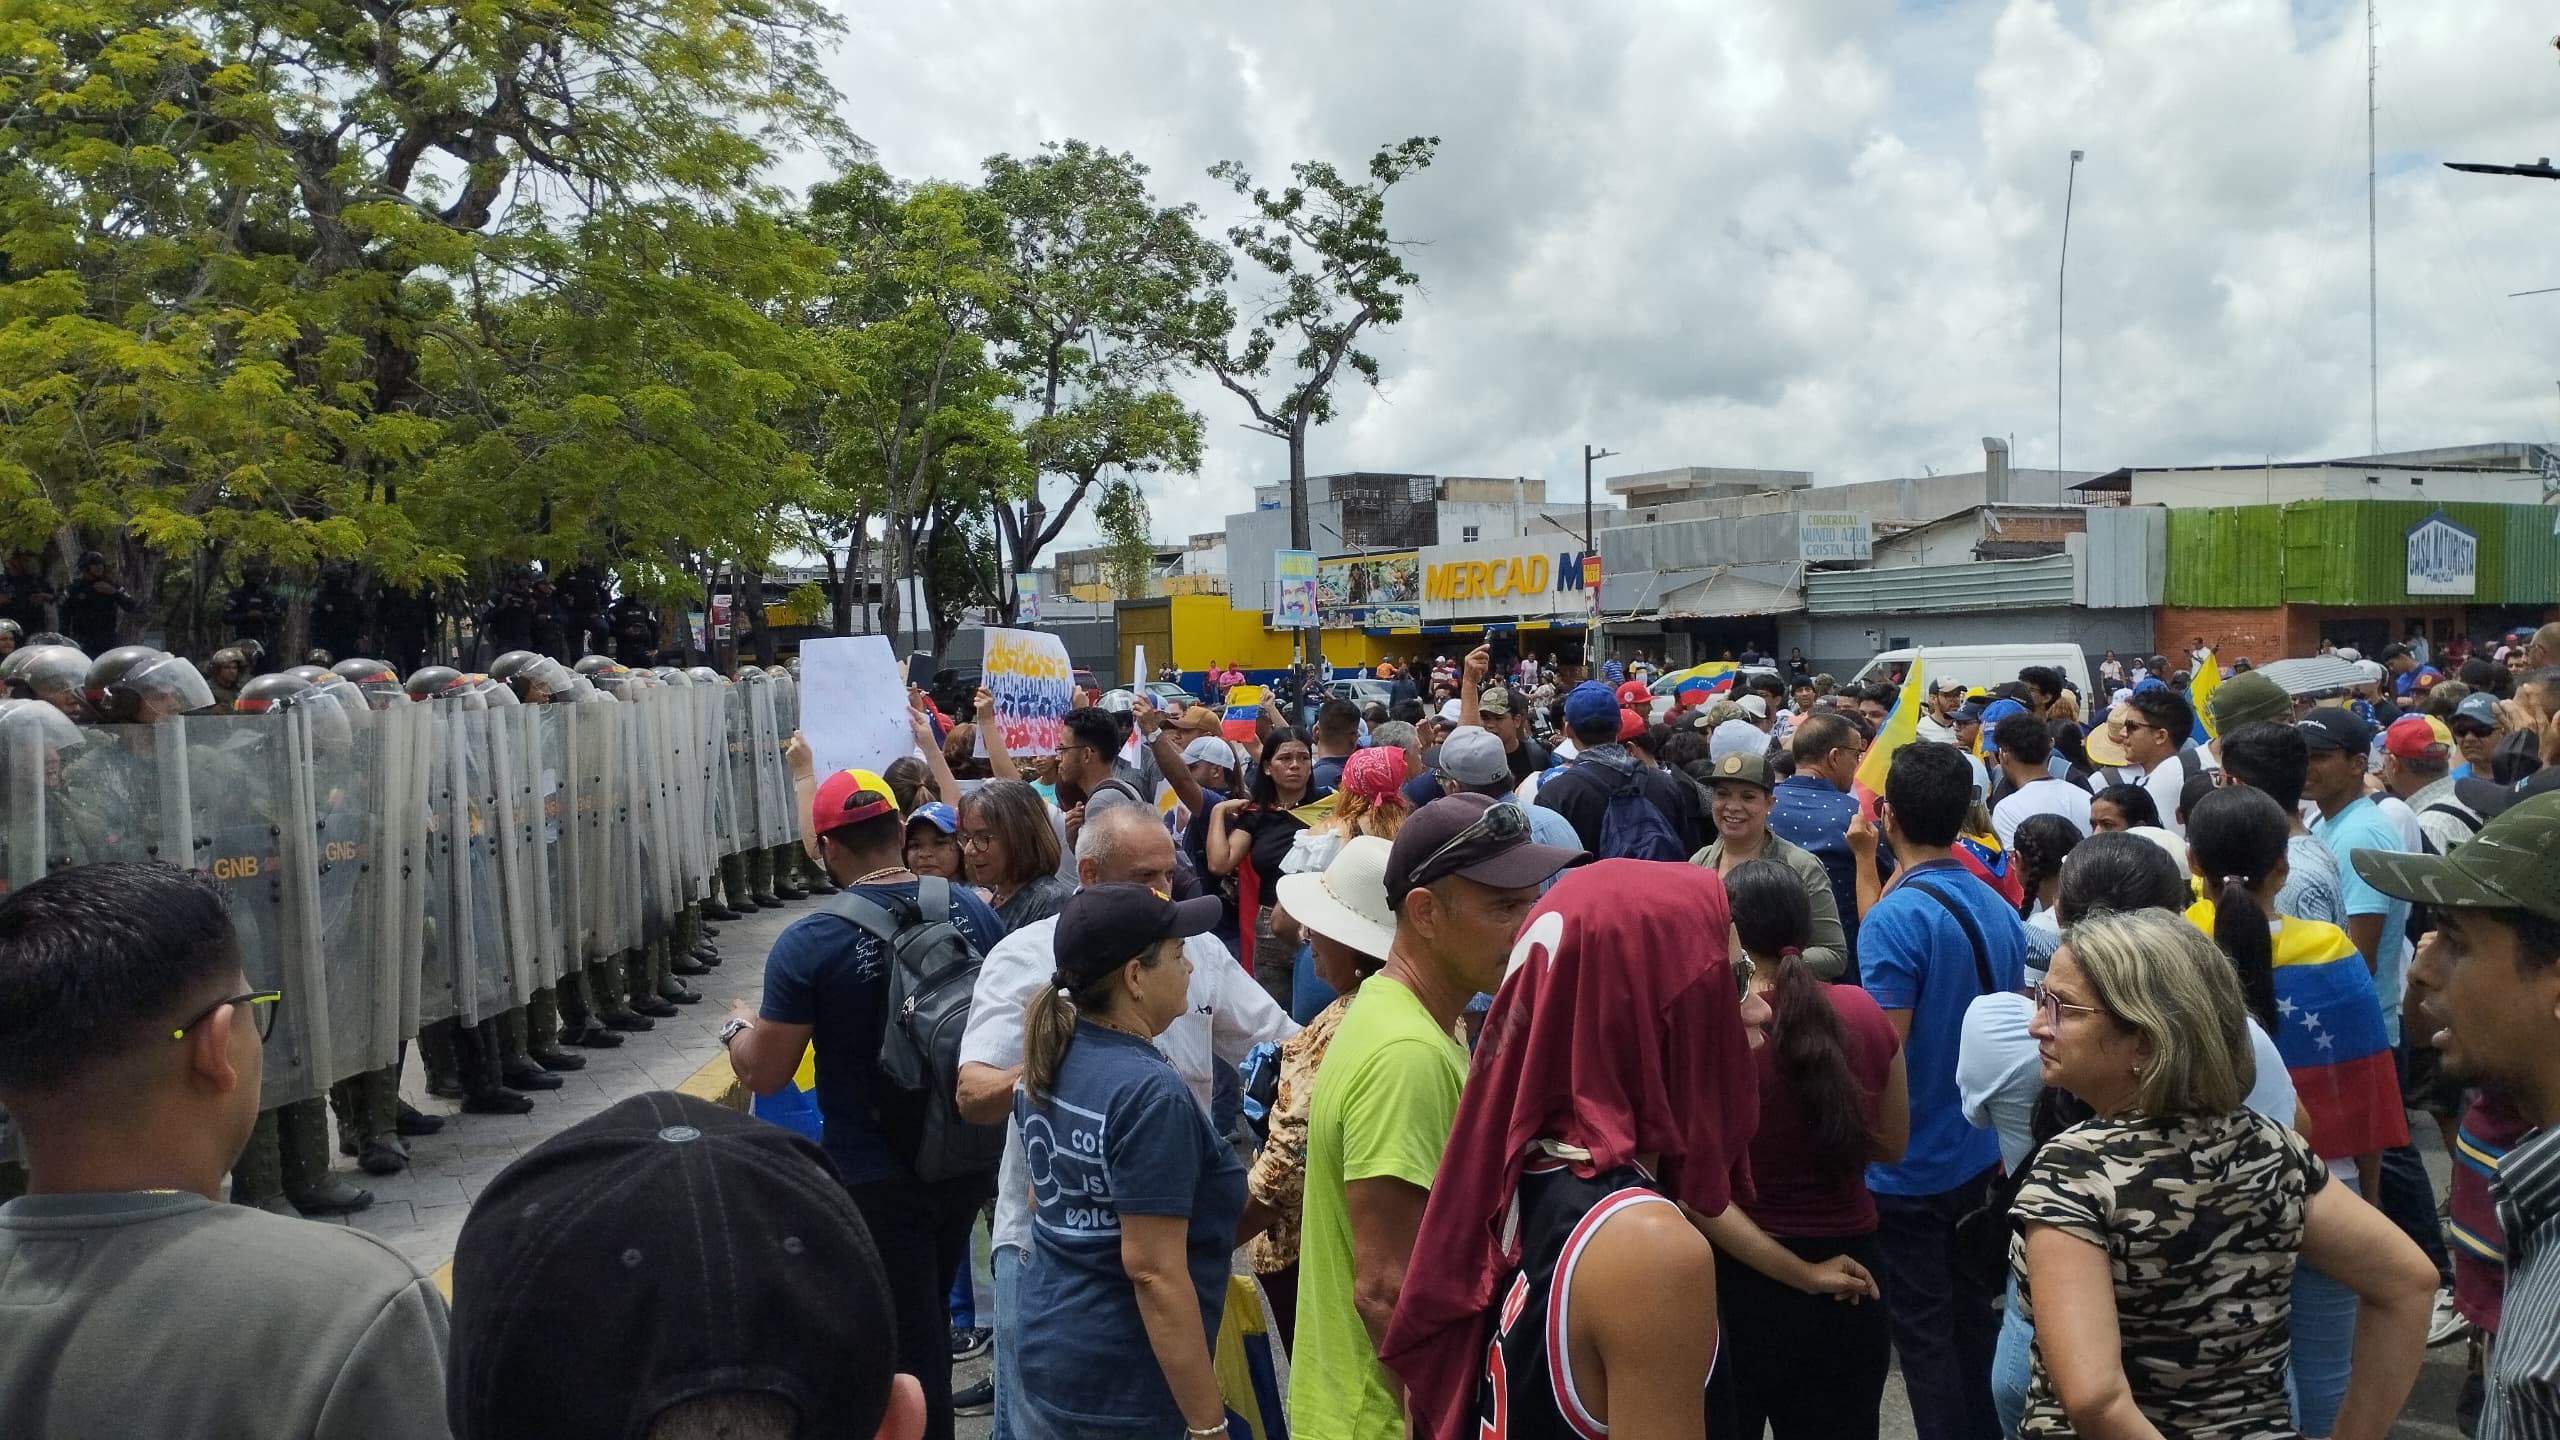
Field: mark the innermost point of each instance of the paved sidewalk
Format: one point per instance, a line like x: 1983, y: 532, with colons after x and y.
x: 420, y: 1211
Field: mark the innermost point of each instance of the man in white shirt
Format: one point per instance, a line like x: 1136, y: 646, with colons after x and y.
x: 1946, y: 696
x: 2159, y: 726
x: 2025, y: 752
x: 1230, y: 1014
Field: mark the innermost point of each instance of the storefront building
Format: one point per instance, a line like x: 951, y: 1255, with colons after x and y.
x: 2264, y: 581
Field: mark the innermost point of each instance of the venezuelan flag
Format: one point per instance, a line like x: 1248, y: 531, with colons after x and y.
x: 2200, y: 687
x: 1243, y: 714
x: 1900, y: 729
x: 2330, y: 1033
x: 1982, y: 855
x: 1699, y: 683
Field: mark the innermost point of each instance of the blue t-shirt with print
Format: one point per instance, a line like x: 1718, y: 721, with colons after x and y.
x: 1913, y: 955
x: 1119, y: 1134
x: 2363, y: 826
x: 830, y: 974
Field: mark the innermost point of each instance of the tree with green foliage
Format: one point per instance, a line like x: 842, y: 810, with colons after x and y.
x: 1334, y: 273
x: 1128, y: 541
x: 1107, y: 292
x: 272, y: 275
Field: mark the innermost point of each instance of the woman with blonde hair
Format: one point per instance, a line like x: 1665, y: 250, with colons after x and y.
x: 2158, y: 1240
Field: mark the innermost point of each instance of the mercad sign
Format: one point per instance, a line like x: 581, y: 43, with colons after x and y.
x: 2444, y: 558
x: 1522, y: 578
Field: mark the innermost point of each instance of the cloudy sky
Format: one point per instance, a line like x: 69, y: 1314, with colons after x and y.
x: 1822, y: 234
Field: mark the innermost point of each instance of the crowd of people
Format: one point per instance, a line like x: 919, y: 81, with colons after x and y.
x: 1612, y: 1062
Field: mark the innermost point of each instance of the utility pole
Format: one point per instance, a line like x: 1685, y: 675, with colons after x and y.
x: 1590, y: 550
x: 2372, y: 250
x: 2062, y: 273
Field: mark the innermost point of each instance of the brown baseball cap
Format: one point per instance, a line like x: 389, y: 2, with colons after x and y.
x: 1476, y: 837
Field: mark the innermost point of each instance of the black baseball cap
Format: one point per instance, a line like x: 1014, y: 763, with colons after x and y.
x: 1104, y: 927
x: 1457, y: 835
x: 661, y: 1251
x: 2332, y: 727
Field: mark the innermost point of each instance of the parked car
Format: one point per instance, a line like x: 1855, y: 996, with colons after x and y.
x: 1363, y: 693
x: 1167, y: 696
x: 1982, y: 666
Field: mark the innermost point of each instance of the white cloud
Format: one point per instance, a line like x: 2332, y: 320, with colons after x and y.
x: 1822, y: 234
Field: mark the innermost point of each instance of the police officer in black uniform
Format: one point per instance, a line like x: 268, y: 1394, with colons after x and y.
x: 252, y: 612
x: 337, y: 613
x: 580, y: 604
x: 25, y: 594
x: 91, y: 603
x: 634, y: 627
x: 405, y: 619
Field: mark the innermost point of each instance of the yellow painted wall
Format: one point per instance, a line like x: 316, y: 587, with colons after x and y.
x: 1207, y: 631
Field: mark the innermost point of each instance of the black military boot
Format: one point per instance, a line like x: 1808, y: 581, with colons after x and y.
x: 542, y: 1028
x: 414, y: 1122
x: 438, y: 1050
x: 302, y: 1130
x: 483, y: 1090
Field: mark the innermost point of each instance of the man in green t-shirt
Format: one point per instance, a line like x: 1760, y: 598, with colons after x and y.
x: 1461, y: 878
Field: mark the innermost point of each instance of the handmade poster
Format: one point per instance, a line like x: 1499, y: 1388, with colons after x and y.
x: 1131, y: 748
x: 853, y: 704
x: 1029, y: 674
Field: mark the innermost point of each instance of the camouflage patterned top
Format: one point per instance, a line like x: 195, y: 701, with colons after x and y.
x: 2201, y: 1217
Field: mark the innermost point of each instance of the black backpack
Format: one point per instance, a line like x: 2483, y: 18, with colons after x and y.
x: 1632, y: 827
x: 933, y: 971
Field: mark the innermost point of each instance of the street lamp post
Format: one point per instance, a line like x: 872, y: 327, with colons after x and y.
x: 2062, y: 272
x: 1590, y: 548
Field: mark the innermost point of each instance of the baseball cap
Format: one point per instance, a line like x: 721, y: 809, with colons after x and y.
x: 1196, y: 720
x: 2333, y: 727
x: 1755, y: 706
x: 1494, y: 700
x: 1999, y: 710
x: 1473, y: 756
x: 1104, y: 927
x: 1969, y: 713
x: 1209, y: 749
x: 2246, y: 698
x: 944, y: 818
x: 1464, y: 835
x: 2507, y: 866
x: 667, y: 1203
x: 2417, y: 737
x: 1630, y: 725
x: 1346, y: 901
x: 1946, y: 685
x: 1749, y: 767
x: 1589, y: 703
x: 1735, y: 735
x: 2479, y: 709
x: 849, y: 797
x: 1449, y: 712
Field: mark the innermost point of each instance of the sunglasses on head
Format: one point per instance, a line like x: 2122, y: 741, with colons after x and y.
x: 1503, y: 824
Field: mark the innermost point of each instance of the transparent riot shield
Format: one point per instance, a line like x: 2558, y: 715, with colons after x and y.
x: 589, y: 803
x: 773, y: 782
x: 525, y: 907
x: 739, y: 741
x: 484, y: 976
x: 721, y: 797
x: 37, y: 743
x: 122, y: 796
x: 555, y: 801
x: 348, y: 788
x: 446, y: 873
x: 406, y: 753
x: 249, y: 783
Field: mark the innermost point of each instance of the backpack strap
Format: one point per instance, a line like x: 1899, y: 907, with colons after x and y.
x: 1972, y: 934
x: 2469, y: 822
x: 933, y: 898
x: 875, y: 919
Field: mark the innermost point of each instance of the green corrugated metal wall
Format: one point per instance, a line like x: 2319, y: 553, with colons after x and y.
x: 2336, y: 552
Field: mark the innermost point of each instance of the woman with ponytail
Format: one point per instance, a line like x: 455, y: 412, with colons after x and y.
x: 1832, y: 1098
x: 2306, y: 985
x: 1135, y: 1197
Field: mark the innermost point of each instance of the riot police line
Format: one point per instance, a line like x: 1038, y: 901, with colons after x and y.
x: 494, y: 866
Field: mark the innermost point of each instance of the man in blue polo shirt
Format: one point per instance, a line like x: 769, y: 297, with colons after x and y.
x: 1937, y: 940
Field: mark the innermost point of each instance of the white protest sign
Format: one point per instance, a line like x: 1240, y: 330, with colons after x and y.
x: 853, y: 704
x: 1032, y: 680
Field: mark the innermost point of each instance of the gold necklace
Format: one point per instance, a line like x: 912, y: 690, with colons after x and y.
x: 877, y: 875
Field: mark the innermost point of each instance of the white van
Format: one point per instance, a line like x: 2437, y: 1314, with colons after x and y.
x: 1982, y: 666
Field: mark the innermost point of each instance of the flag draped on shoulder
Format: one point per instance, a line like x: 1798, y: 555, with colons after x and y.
x: 2200, y: 687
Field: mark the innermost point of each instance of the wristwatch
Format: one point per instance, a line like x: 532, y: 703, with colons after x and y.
x: 736, y: 1026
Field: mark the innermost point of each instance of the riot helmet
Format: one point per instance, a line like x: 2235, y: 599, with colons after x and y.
x: 285, y: 691
x: 52, y: 637
x: 55, y: 674
x: 588, y: 665
x: 12, y: 635
x: 230, y: 656
x: 751, y: 675
x: 506, y: 666
x: 705, y: 675
x: 494, y: 693
x: 431, y: 682
x: 377, y: 681
x: 309, y: 674
x: 319, y: 657
x: 138, y: 685
x: 31, y: 729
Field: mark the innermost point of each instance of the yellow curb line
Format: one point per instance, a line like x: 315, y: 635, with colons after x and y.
x: 714, y: 1082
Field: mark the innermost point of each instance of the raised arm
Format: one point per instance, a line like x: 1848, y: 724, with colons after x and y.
x: 946, y: 787
x: 991, y: 734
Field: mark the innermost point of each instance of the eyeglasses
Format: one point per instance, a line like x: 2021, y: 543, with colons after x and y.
x: 977, y: 839
x: 261, y: 1003
x: 1501, y: 823
x: 2053, y: 1005
x: 2472, y: 732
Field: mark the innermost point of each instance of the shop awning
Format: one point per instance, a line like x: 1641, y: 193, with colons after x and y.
x: 1772, y: 587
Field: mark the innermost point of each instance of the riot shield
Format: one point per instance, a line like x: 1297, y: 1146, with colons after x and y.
x: 773, y: 782
x: 37, y: 742
x: 515, y: 819
x: 554, y: 802
x: 485, y: 975
x: 445, y: 871
x: 406, y: 753
x: 122, y: 796
x: 350, y: 789
x: 739, y: 742
x: 720, y: 808
x: 248, y: 778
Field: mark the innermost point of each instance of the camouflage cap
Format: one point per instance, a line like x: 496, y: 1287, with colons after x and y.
x: 2507, y: 866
